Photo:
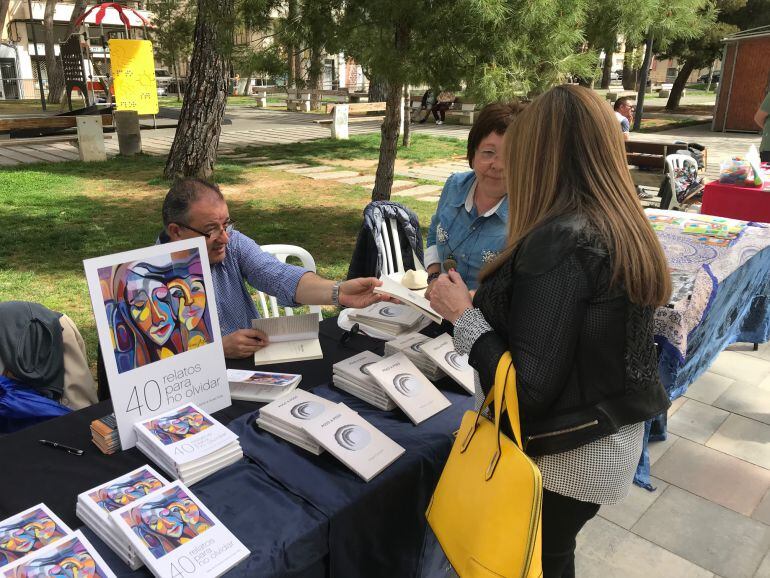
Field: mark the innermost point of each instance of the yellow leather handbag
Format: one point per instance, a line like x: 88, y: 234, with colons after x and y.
x: 486, y: 509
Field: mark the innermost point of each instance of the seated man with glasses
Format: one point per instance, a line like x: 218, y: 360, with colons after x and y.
x: 195, y: 207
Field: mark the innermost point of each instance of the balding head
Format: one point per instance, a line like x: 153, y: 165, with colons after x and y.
x: 184, y: 193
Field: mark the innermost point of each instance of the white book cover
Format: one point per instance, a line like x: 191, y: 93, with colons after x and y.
x: 355, y: 442
x: 408, y: 387
x: 176, y: 535
x: 374, y: 392
x: 72, y: 556
x: 297, y: 408
x: 291, y: 338
x: 357, y: 367
x: 442, y: 351
x: 407, y: 297
x: 156, y: 316
x: 409, y: 343
x: 28, y: 531
x: 289, y: 352
x: 185, y: 434
x: 391, y: 314
x: 113, y: 495
x: 356, y: 391
x: 251, y: 385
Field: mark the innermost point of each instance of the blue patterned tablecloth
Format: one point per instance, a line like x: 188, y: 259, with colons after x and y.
x: 721, y: 295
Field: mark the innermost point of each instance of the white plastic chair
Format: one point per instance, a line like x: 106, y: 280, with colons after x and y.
x: 282, y: 252
x: 392, y: 261
x: 673, y: 163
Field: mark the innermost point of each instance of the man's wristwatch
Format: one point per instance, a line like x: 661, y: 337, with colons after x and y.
x: 336, y: 293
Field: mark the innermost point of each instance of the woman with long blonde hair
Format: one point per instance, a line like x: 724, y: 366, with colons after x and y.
x: 572, y: 297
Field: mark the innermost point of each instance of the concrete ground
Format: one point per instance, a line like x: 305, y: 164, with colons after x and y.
x: 710, y: 515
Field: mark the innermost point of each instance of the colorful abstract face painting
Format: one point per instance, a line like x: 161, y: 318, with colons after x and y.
x: 156, y: 308
x: 165, y: 524
x: 110, y: 498
x: 183, y: 424
x: 70, y: 560
x: 26, y: 535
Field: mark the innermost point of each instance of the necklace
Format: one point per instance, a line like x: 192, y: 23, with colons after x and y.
x: 451, y: 262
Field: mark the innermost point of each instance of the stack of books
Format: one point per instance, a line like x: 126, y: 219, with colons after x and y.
x: 351, y: 375
x: 175, y: 535
x: 390, y: 318
x: 104, y: 434
x: 187, y: 443
x: 95, y: 505
x: 286, y: 417
x: 354, y: 441
x: 441, y: 351
x: 36, y: 542
x: 249, y: 385
x: 409, y: 388
x: 317, y: 424
x: 411, y: 345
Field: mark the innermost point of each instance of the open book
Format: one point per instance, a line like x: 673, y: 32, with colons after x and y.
x: 407, y: 297
x: 292, y: 338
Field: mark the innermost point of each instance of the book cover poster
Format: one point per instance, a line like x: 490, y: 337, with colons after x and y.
x: 29, y: 531
x: 158, y: 327
x: 167, y: 521
x: 176, y: 535
x: 126, y: 489
x: 180, y: 425
x: 72, y: 556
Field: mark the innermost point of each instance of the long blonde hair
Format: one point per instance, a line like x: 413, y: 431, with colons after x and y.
x: 565, y: 154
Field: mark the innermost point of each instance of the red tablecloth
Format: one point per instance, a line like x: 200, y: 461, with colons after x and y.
x: 735, y: 202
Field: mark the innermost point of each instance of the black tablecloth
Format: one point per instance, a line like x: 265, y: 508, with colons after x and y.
x: 299, y: 515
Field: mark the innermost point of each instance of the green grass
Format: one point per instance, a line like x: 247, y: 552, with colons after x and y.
x: 172, y: 102
x: 56, y: 215
x: 423, y: 149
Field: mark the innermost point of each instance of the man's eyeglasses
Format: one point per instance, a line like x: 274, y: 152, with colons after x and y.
x: 228, y: 227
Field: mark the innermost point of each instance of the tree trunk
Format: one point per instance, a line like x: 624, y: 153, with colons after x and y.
x: 388, y: 145
x: 194, y: 150
x: 315, y: 76
x: 643, y: 81
x: 679, y: 84
x: 56, y: 84
x: 607, y: 68
x: 378, y: 90
x: 291, y: 16
x: 711, y: 77
x: 630, y: 73
x: 50, y: 46
x: 3, y: 12
x: 407, y: 138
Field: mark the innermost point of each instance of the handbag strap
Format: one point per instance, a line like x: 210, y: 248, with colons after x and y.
x: 505, y: 393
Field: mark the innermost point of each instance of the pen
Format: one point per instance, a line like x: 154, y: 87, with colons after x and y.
x: 58, y: 446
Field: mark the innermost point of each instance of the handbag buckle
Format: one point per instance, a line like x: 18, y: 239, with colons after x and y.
x: 492, y: 465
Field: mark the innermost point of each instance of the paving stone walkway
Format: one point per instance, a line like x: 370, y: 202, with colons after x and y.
x: 710, y: 516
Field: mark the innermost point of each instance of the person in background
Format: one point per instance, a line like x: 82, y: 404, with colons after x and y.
x: 761, y: 119
x: 572, y: 297
x: 624, y: 114
x: 194, y: 207
x: 426, y: 105
x: 469, y: 226
x: 444, y: 102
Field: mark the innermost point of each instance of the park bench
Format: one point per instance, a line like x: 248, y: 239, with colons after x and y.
x: 463, y: 111
x: 89, y: 137
x: 298, y: 99
x: 652, y: 155
x: 613, y: 95
x: 665, y: 90
x: 340, y: 116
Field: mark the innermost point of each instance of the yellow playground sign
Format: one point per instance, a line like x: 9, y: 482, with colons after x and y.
x: 133, y: 73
